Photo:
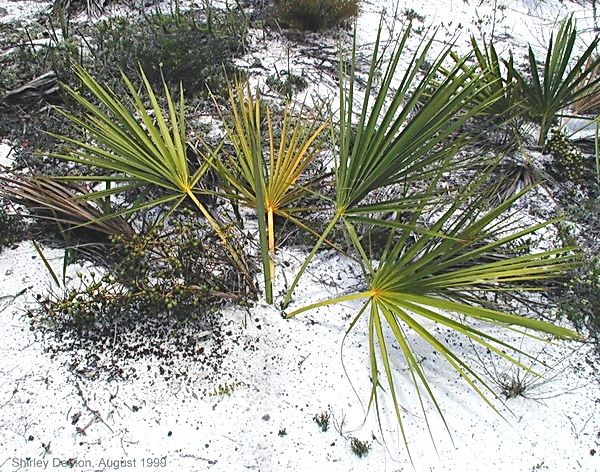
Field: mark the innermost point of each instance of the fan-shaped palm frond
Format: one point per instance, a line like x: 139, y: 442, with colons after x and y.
x: 273, y: 184
x: 426, y: 280
x: 397, y: 138
x: 61, y: 202
x: 137, y: 147
x: 562, y: 82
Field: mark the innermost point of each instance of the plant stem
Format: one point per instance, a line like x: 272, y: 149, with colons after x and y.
x: 544, y: 127
x: 597, y: 149
x: 271, y: 232
x: 309, y: 258
x: 213, y: 223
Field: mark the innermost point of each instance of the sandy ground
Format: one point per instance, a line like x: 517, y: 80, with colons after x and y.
x: 280, y: 373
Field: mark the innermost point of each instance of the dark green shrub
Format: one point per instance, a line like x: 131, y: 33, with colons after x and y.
x: 189, y: 48
x: 286, y: 83
x: 160, y: 298
x: 180, y: 270
x: 179, y: 47
x: 314, y: 15
x: 193, y: 48
x: 580, y: 300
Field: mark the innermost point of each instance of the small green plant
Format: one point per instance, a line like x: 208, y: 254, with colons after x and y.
x: 514, y: 384
x: 266, y: 171
x: 314, y: 15
x: 171, y: 46
x: 322, y: 420
x: 286, y: 83
x: 177, y: 270
x: 11, y: 228
x: 182, y: 48
x: 226, y: 389
x: 411, y: 15
x: 560, y: 82
x: 159, y: 297
x: 282, y: 432
x: 360, y: 448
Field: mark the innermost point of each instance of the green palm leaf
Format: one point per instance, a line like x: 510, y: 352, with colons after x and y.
x: 498, y: 93
x: 425, y: 278
x: 563, y: 82
x: 397, y: 138
x: 136, y: 146
x: 271, y: 185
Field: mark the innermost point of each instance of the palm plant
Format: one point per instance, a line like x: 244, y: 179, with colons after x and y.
x: 442, y: 272
x: 137, y: 148
x: 561, y: 84
x: 499, y: 91
x: 517, y: 171
x: 271, y: 185
x: 401, y: 143
x: 440, y: 278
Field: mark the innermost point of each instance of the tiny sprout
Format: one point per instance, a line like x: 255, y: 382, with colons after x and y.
x: 322, y: 420
x: 360, y: 448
